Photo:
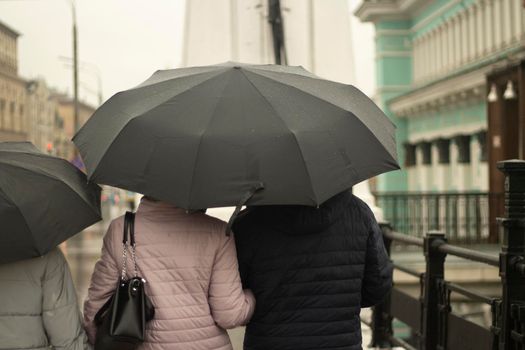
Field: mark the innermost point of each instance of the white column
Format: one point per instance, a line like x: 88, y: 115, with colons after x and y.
x: 438, y: 171
x: 475, y: 164
x: 362, y: 191
x: 498, y: 23
x: 457, y: 42
x: 443, y: 48
x: 454, y: 154
x: 421, y: 58
x: 451, y: 44
x: 234, y: 31
x: 421, y: 169
x: 415, y: 57
x: 424, y: 58
x: 519, y: 23
x: 480, y: 36
x: 508, y: 20
x: 464, y: 37
x: 489, y: 26
x: 427, y: 56
x: 439, y: 51
x: 431, y: 54
x: 472, y: 33
x: 446, y: 29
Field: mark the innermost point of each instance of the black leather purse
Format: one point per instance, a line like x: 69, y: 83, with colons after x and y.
x: 121, y: 322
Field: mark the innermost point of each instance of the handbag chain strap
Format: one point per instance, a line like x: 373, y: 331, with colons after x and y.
x: 129, y: 227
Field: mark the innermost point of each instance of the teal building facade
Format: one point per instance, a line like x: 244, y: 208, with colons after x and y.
x: 442, y: 67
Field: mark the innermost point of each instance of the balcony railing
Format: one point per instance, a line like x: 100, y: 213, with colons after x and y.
x: 464, y: 216
x: 431, y: 316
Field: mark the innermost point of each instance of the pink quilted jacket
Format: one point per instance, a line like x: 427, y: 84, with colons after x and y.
x: 192, y: 278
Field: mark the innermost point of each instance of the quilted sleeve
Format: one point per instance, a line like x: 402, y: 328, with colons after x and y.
x: 231, y: 306
x: 377, y: 280
x: 60, y: 314
x: 104, y: 278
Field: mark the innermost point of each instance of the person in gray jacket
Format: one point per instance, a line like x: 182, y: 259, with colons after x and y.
x: 38, y: 305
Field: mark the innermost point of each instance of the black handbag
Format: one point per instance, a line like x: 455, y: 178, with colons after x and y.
x: 121, y: 322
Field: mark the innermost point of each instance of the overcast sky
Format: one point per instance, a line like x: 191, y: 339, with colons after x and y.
x: 126, y: 39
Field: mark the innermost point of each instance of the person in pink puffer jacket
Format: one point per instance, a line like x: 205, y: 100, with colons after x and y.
x: 191, y: 270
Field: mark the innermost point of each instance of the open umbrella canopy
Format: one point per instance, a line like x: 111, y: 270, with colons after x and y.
x: 44, y: 200
x: 206, y: 137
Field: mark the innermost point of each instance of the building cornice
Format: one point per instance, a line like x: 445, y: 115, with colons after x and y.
x: 462, y: 87
x: 5, y: 28
x: 10, y: 75
x: 436, y: 14
x: 374, y: 10
x: 461, y: 90
x: 446, y: 132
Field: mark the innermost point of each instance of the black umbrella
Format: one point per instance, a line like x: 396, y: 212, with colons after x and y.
x: 44, y: 200
x: 206, y: 137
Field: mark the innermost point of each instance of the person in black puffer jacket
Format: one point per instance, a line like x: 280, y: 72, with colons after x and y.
x: 311, y: 270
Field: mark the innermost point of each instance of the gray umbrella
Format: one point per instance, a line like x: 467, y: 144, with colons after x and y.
x: 210, y: 136
x: 43, y: 201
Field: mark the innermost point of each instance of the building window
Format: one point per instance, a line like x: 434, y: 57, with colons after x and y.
x: 482, y: 140
x: 426, y: 152
x: 463, y: 143
x: 410, y: 154
x: 443, y: 146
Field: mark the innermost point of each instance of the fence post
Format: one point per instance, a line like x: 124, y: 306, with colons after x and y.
x: 435, y: 271
x: 381, y: 319
x: 512, y: 321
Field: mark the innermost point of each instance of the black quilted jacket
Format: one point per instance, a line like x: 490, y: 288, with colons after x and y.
x: 311, y: 270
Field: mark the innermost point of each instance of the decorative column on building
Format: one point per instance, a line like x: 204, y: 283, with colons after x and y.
x: 394, y: 64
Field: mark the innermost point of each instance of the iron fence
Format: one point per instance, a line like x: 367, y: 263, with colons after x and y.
x: 434, y: 322
x: 464, y: 216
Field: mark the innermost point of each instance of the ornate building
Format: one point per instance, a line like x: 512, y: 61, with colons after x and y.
x: 12, y: 89
x: 66, y: 124
x: 451, y: 75
x: 434, y: 59
x: 41, y: 116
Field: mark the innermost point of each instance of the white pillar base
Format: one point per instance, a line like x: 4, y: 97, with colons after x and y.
x: 362, y: 190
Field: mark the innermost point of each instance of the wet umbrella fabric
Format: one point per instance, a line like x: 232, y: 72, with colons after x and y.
x: 206, y: 136
x: 43, y: 201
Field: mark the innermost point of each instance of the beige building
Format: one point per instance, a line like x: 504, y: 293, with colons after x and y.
x: 12, y: 89
x: 41, y: 113
x: 66, y: 124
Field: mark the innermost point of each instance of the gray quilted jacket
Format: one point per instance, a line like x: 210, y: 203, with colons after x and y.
x: 38, y: 305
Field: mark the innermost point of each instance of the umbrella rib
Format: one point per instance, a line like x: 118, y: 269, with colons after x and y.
x: 5, y: 196
x: 317, y: 97
x: 312, y: 76
x: 335, y: 105
x: 293, y: 134
x: 141, y: 86
x: 57, y: 179
x: 192, y: 186
x: 132, y: 118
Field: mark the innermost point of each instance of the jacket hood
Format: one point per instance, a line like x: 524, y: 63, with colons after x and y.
x: 298, y: 219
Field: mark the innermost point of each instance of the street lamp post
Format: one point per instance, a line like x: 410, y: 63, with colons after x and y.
x: 75, y: 66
